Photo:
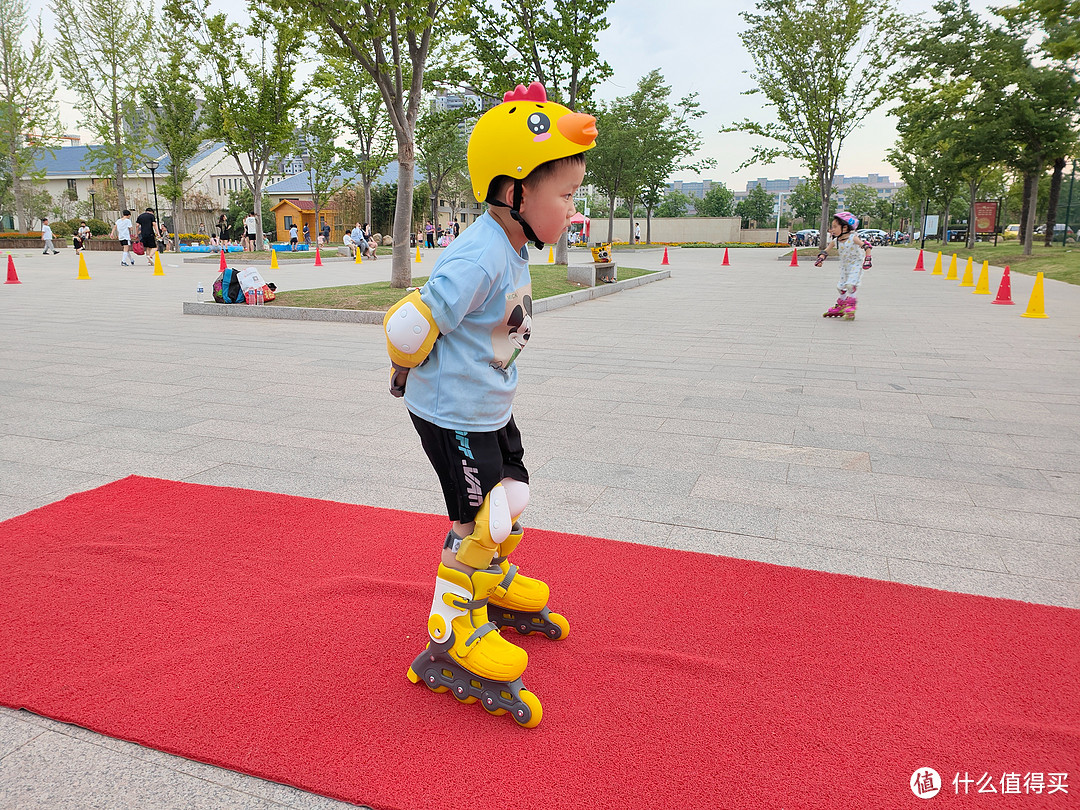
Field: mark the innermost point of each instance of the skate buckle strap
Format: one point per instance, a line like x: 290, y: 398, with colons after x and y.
x: 504, y: 585
x: 471, y: 604
x: 480, y: 632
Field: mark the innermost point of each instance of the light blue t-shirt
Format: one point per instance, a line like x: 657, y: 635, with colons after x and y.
x: 480, y: 296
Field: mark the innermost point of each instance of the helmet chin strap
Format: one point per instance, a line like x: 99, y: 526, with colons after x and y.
x: 515, y: 213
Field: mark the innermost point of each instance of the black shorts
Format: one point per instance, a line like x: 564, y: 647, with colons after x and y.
x: 149, y: 242
x: 123, y: 242
x: 470, y: 464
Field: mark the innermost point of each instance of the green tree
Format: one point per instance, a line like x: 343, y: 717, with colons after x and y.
x: 172, y: 103
x: 805, y: 201
x: 1059, y: 21
x: 674, y: 204
x: 817, y: 63
x: 389, y: 40
x: 354, y: 97
x: 756, y: 208
x: 719, y: 201
x: 861, y: 200
x: 102, y: 47
x: 241, y: 204
x: 319, y: 130
x: 549, y: 41
x: 27, y: 104
x: 250, y: 98
x: 440, y: 149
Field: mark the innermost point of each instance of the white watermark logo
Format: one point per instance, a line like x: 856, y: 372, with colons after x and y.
x: 925, y: 783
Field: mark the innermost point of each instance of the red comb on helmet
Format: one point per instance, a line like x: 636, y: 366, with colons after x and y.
x: 534, y: 92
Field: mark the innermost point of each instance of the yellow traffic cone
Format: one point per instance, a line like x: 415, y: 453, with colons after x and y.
x: 937, y: 265
x: 273, y: 259
x: 952, y: 269
x: 84, y: 274
x: 551, y: 255
x: 418, y: 254
x: 1035, y: 303
x: 983, y: 287
x: 968, y: 280
x: 158, y: 269
x: 359, y: 259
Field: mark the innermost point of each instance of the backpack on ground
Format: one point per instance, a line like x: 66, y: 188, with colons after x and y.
x: 227, y: 289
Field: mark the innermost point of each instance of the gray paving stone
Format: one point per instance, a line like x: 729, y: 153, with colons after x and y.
x: 984, y: 583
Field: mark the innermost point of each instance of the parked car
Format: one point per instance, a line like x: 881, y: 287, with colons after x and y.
x: 1011, y: 232
x: 1059, y: 229
x: 807, y: 236
x: 875, y: 236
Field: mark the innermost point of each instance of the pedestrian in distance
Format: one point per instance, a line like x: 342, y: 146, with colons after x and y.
x: 121, y: 230
x: 294, y: 238
x: 307, y: 235
x: 146, y: 232
x: 251, y: 228
x: 81, y: 238
x: 47, y: 238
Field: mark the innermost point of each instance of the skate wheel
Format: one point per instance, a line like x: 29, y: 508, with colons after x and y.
x: 461, y: 695
x: 561, y: 629
x: 528, y: 716
x: 488, y: 701
x: 523, y: 628
x: 432, y: 683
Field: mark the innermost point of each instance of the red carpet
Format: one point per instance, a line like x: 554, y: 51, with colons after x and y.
x: 270, y: 634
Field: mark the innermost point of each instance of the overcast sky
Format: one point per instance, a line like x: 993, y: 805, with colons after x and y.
x: 696, y: 46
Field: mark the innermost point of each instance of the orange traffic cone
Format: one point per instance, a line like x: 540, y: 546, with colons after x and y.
x: 12, y: 276
x: 665, y: 261
x: 794, y: 257
x: 222, y: 265
x: 1035, y: 303
x: 919, y: 264
x: 1004, y: 295
x: 318, y: 257
x: 725, y: 263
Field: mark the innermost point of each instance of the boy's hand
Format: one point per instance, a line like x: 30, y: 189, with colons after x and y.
x: 398, y: 377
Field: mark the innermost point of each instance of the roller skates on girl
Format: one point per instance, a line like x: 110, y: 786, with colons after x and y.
x: 843, y: 308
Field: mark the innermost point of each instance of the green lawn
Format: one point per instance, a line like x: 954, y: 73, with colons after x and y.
x: 547, y: 280
x: 1056, y: 262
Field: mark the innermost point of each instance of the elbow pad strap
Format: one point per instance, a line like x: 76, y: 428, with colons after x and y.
x: 410, y: 331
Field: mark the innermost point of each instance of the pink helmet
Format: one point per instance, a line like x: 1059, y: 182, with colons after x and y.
x: 847, y: 218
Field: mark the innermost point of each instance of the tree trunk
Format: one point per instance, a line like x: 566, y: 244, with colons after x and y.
x: 401, y: 273
x: 611, y: 217
x: 973, y: 189
x: 121, y: 196
x: 648, y: 226
x: 562, y: 249
x: 945, y: 222
x: 630, y: 206
x: 825, y: 187
x: 1033, y: 201
x: 20, y: 204
x: 178, y: 216
x: 258, y: 214
x: 1055, y: 194
x: 367, y: 202
x: 1024, y: 208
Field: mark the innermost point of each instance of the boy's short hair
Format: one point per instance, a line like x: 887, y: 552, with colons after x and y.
x: 537, y: 175
x: 126, y: 213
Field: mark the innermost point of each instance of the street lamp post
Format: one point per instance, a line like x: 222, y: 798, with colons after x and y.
x: 93, y: 202
x: 152, y: 166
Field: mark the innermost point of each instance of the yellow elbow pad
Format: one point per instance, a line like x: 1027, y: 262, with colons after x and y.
x: 410, y: 331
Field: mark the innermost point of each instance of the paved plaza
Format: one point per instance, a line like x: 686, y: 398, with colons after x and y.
x: 933, y: 441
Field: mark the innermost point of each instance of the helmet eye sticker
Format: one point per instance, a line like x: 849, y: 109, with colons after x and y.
x: 539, y: 125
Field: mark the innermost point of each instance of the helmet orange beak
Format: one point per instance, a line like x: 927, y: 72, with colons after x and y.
x: 578, y: 127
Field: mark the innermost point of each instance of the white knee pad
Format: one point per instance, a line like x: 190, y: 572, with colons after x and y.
x: 517, y: 496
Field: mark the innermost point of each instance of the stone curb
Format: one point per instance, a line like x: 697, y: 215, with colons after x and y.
x: 375, y: 317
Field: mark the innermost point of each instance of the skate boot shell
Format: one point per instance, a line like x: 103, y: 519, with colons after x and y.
x: 849, y: 309
x: 466, y: 655
x: 521, y: 602
x: 837, y: 309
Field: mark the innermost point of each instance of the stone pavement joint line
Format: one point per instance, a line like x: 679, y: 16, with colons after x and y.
x: 934, y: 440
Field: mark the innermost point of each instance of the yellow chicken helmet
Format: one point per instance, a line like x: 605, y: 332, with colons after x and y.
x: 524, y: 131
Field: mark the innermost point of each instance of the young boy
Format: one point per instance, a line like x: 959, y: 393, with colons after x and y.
x: 122, y: 230
x: 453, y: 344
x: 47, y: 238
